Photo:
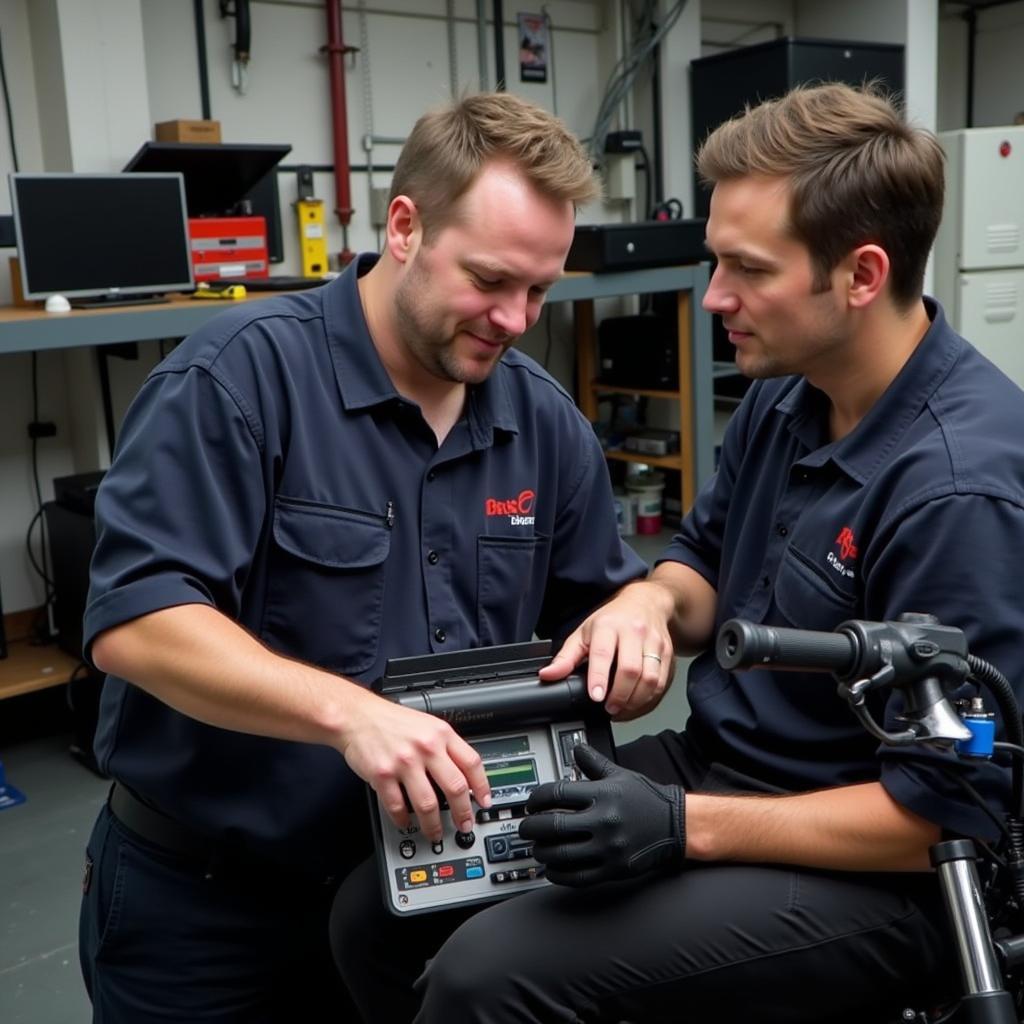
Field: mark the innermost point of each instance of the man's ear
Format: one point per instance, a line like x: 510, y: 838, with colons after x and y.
x: 404, y: 229
x: 869, y: 273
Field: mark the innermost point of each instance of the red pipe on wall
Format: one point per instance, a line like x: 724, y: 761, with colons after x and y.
x: 336, y: 50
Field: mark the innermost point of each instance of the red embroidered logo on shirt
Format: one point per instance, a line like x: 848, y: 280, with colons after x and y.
x: 847, y: 547
x: 519, y: 509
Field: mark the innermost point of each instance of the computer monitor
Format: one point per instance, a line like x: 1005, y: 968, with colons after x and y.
x: 101, y: 235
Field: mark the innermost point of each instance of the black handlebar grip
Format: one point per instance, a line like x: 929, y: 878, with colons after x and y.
x: 743, y: 644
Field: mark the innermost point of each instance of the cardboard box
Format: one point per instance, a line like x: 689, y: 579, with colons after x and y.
x: 17, y: 295
x: 187, y: 131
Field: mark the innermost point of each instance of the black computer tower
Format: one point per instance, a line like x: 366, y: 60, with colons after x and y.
x: 721, y: 85
x: 3, y: 632
x: 639, y: 351
x: 71, y: 534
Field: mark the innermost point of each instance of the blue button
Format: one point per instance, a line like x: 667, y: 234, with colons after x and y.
x: 474, y: 872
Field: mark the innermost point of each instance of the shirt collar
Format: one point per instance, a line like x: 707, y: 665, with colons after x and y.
x: 362, y: 380
x: 865, y: 448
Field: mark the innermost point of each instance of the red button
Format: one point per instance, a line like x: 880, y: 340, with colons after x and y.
x: 445, y: 871
x: 1005, y: 149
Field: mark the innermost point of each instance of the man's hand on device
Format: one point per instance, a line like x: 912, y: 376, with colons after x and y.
x: 630, y: 632
x: 397, y: 749
x: 618, y: 825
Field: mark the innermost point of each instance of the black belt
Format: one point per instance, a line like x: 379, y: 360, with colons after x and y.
x: 215, y: 854
x: 158, y: 828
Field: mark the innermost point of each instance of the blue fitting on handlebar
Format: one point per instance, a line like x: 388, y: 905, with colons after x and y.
x: 983, y: 736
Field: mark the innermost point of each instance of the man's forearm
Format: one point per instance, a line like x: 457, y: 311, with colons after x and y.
x: 851, y: 828
x: 206, y: 666
x: 689, y: 605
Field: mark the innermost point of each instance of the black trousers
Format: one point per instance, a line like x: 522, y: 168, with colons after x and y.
x: 715, y: 942
x: 159, y: 940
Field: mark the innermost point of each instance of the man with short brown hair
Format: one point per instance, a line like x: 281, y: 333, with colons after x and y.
x: 770, y: 862
x: 303, y: 490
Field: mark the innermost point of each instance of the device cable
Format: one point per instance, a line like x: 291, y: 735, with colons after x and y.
x: 625, y: 71
x: 7, y: 107
x: 40, y: 630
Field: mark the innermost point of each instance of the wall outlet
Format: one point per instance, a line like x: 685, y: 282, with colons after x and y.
x: 379, y: 206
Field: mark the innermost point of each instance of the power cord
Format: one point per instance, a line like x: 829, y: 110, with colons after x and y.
x: 669, y: 209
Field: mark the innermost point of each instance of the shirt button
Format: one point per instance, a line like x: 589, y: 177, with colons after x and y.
x: 431, y: 474
x: 783, y: 530
x: 433, y: 558
x: 766, y: 582
x: 440, y: 635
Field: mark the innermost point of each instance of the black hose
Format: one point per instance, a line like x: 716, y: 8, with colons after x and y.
x: 999, y: 685
x: 7, y: 107
x: 243, y: 31
x: 204, y: 68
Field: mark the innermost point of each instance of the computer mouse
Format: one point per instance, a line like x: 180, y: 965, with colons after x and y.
x: 57, y: 304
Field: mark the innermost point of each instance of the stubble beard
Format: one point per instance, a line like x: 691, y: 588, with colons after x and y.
x: 425, y: 338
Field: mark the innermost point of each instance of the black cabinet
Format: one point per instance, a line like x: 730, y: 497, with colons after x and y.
x: 721, y: 85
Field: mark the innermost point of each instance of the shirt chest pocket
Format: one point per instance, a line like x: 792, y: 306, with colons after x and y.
x: 325, y: 593
x: 809, y: 598
x: 511, y: 574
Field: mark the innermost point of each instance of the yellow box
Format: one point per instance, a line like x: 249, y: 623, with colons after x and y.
x: 187, y: 131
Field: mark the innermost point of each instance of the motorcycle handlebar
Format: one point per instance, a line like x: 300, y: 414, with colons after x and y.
x: 743, y: 644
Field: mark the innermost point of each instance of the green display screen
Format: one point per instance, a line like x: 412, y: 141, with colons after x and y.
x: 511, y: 773
x: 503, y: 746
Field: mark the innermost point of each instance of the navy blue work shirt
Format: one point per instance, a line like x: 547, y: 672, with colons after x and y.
x: 919, y: 509
x: 269, y: 468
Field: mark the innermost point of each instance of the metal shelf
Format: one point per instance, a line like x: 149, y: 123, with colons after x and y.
x: 695, y: 460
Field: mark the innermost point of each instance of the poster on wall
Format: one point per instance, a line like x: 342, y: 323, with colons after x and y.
x: 533, y: 47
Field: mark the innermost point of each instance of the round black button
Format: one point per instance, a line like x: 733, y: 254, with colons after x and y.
x: 431, y: 474
x: 783, y: 531
x: 440, y: 635
x: 433, y: 558
x: 464, y: 840
x: 766, y: 582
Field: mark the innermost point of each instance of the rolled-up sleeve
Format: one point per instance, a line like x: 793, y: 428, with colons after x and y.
x: 179, y: 512
x: 701, y: 537
x: 956, y: 558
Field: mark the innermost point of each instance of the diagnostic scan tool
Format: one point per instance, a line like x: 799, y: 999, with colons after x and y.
x: 524, y: 731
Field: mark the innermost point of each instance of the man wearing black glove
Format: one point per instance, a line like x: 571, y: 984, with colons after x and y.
x: 618, y: 825
x: 874, y: 467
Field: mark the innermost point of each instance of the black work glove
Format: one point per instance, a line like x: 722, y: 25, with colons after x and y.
x: 619, y: 825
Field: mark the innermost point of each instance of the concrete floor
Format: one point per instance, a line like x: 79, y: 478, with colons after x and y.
x: 42, y: 844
